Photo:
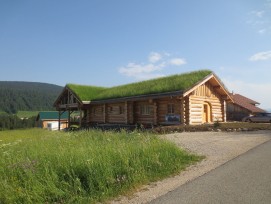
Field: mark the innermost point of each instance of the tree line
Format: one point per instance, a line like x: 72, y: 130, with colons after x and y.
x: 27, y: 96
x: 11, y: 122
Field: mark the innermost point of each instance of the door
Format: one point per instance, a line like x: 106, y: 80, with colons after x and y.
x: 206, y: 115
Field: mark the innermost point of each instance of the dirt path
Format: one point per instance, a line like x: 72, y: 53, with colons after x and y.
x: 218, y: 147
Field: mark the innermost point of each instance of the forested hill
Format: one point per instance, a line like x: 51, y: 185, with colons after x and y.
x: 27, y: 96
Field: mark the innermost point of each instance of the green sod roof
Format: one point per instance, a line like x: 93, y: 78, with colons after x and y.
x: 179, y: 82
x: 86, y: 93
x: 51, y: 115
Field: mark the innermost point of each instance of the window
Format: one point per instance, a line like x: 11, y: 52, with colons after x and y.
x: 121, y: 110
x: 170, y: 108
x: 110, y: 109
x: 145, y: 110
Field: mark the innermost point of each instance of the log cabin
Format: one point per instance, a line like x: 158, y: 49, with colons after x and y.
x: 190, y: 98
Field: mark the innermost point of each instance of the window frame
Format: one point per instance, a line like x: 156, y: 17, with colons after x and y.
x: 145, y: 109
x: 170, y: 108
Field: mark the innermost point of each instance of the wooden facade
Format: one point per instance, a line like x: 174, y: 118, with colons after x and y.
x: 205, y: 102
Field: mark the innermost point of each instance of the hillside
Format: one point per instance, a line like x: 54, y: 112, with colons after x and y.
x: 27, y: 96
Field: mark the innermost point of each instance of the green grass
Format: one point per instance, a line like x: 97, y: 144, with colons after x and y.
x: 27, y: 114
x: 86, y: 93
x: 3, y: 113
x: 38, y: 166
x: 179, y: 82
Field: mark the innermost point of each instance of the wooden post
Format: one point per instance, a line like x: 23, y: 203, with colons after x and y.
x: 126, y: 112
x: 59, y: 115
x: 132, y: 113
x: 187, y: 112
x: 155, y: 113
x: 80, y: 119
x: 182, y: 111
x: 69, y: 118
x: 105, y: 111
x: 225, y: 110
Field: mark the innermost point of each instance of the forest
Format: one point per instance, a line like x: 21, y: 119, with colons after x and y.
x: 27, y: 96
x: 11, y: 122
x: 24, y: 96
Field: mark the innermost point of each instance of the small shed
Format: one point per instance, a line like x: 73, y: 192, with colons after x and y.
x: 45, y: 117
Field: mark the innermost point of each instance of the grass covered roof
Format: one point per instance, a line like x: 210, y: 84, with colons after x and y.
x: 178, y: 82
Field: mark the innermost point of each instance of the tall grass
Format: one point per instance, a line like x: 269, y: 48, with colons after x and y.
x: 38, y: 166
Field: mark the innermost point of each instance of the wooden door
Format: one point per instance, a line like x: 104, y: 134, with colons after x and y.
x: 206, y: 115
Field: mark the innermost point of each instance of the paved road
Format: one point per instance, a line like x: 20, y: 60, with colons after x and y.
x: 245, y: 179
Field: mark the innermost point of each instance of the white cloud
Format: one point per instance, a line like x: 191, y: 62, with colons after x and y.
x: 262, y: 31
x: 258, y: 14
x: 156, y: 64
x: 177, y: 61
x: 133, y: 69
x: 261, y: 56
x: 154, y: 57
x: 256, y: 92
x: 259, y: 20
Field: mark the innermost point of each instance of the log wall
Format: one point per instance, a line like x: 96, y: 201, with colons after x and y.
x: 189, y: 108
x: 144, y: 118
x: 116, y: 113
x: 205, y: 94
x: 162, y: 108
x: 96, y: 114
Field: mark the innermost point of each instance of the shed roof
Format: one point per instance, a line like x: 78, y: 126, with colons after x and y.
x: 246, y: 103
x: 178, y: 82
x: 51, y: 115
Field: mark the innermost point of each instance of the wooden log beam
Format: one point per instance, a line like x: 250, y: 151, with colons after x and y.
x: 155, y: 113
x: 182, y: 112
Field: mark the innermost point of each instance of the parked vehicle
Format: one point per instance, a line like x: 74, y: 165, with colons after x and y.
x: 259, y: 117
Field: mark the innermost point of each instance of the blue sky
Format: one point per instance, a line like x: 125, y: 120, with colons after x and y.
x: 107, y: 43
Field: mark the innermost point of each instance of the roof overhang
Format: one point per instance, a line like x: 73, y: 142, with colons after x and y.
x: 216, y: 82
x: 64, y: 91
x: 140, y: 97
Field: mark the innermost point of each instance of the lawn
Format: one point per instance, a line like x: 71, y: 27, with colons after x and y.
x: 38, y: 166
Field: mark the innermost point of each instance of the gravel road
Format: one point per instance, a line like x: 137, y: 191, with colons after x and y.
x: 218, y: 147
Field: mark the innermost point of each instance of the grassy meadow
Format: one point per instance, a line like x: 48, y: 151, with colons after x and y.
x: 38, y: 166
x: 27, y: 114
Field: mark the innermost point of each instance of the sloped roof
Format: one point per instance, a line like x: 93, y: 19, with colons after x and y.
x: 51, y: 115
x: 246, y: 103
x: 179, y: 82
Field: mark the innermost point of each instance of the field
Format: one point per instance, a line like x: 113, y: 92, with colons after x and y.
x: 27, y: 114
x: 38, y: 166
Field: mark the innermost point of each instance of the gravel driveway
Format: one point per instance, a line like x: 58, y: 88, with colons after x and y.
x: 218, y: 147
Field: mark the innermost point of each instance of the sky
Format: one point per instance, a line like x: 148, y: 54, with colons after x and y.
x: 109, y: 43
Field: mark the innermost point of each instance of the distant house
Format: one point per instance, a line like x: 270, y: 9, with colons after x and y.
x: 46, y: 119
x: 191, y: 98
x: 242, y: 107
